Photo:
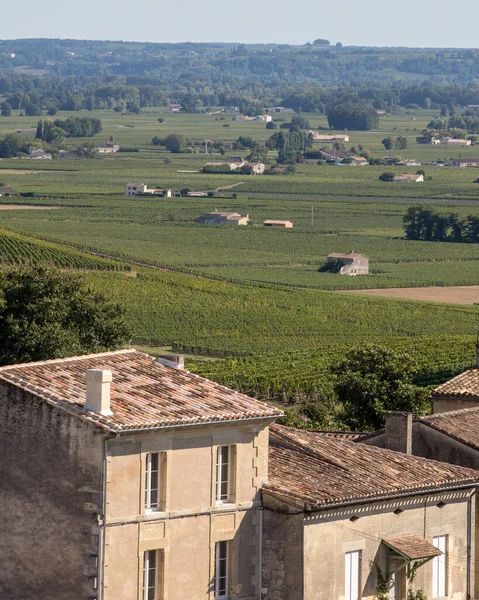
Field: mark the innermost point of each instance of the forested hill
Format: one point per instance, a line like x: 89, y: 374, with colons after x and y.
x: 72, y: 74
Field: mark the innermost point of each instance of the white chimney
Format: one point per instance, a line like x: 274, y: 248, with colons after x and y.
x: 98, y: 391
x: 175, y: 361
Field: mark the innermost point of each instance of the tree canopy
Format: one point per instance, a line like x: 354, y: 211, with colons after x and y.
x: 372, y: 380
x: 47, y: 314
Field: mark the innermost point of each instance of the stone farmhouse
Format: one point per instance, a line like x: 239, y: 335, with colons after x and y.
x: 147, y: 482
x: 223, y: 218
x: 350, y: 263
x: 465, y: 162
x: 6, y: 190
x: 136, y: 189
x: 276, y: 223
x: 409, y: 178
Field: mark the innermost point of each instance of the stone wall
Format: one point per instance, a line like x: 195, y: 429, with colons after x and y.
x: 283, y: 552
x: 50, y: 482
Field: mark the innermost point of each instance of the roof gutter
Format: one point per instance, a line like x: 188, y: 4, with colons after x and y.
x: 315, y: 509
x: 118, y: 432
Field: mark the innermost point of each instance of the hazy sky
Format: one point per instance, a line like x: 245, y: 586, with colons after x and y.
x: 434, y: 23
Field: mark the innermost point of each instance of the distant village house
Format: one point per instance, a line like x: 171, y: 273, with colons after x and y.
x: 275, y: 223
x: 223, y: 218
x: 6, y: 190
x: 408, y: 178
x: 136, y: 189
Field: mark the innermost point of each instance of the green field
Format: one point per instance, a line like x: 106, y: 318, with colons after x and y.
x: 250, y: 296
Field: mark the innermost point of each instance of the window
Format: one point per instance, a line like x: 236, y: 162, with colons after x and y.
x: 150, y: 575
x: 221, y: 570
x: 439, y: 582
x: 351, y: 575
x: 223, y: 474
x: 152, y: 481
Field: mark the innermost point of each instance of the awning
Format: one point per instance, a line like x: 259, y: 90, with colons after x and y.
x: 410, y: 551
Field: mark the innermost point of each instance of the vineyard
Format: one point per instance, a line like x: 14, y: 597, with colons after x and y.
x: 18, y: 249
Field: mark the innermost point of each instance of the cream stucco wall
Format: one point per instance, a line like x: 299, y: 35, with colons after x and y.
x: 190, y: 522
x: 328, y: 536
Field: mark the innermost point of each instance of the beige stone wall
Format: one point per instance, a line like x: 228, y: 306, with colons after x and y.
x: 328, y: 537
x: 442, y: 405
x: 190, y: 522
x: 50, y: 498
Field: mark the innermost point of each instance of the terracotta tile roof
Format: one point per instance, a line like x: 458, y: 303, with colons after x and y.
x: 461, y: 425
x: 350, y: 436
x: 320, y: 472
x: 462, y: 386
x: 413, y: 547
x: 144, y: 394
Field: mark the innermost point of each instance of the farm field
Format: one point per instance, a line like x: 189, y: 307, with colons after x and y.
x: 452, y: 295
x: 251, y: 299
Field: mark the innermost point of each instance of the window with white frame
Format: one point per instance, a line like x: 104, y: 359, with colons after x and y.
x: 352, y: 566
x: 224, y: 457
x: 221, y: 570
x: 150, y: 575
x: 152, y: 481
x: 439, y: 565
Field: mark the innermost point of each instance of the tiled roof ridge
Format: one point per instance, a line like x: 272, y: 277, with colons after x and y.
x: 444, y: 415
x: 69, y: 359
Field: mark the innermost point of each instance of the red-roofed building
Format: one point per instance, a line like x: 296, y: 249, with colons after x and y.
x: 122, y: 478
x: 338, y: 513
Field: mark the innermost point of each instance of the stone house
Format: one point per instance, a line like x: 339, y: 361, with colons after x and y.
x: 350, y: 263
x: 223, y: 218
x: 6, y: 190
x: 276, y: 223
x: 465, y: 162
x: 337, y: 513
x: 409, y: 178
x: 124, y: 478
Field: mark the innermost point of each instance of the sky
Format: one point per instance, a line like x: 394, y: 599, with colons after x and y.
x: 424, y: 23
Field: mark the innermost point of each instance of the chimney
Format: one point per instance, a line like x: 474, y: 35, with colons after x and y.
x: 175, y: 361
x: 98, y: 391
x: 398, y: 434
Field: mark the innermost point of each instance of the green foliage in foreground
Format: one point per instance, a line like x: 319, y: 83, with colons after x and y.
x: 45, y: 314
x: 369, y: 381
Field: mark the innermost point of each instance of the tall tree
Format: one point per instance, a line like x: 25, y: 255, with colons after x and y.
x: 48, y: 314
x: 372, y: 380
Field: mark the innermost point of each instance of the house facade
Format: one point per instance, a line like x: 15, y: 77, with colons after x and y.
x: 340, y: 516
x: 143, y: 483
x: 350, y: 263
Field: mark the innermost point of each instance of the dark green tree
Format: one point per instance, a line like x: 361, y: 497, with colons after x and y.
x: 5, y: 109
x: 400, y: 143
x: 372, y: 380
x: 387, y: 176
x: 387, y: 143
x: 174, y: 143
x: 47, y: 314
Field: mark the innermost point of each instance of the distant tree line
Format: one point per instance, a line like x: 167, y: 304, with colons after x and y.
x: 291, y: 145
x: 353, y: 116
x: 428, y: 225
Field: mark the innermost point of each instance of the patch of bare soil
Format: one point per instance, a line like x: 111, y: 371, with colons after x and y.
x: 467, y: 294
